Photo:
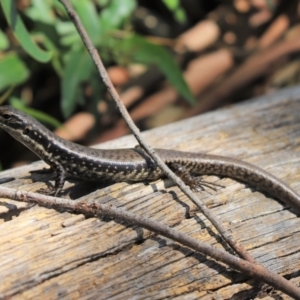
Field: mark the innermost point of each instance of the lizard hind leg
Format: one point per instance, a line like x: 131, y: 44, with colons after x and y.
x: 195, y: 183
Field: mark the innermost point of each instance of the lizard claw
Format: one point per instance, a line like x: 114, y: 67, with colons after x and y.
x: 197, y: 184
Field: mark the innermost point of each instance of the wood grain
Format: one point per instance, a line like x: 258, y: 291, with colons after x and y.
x: 61, y: 255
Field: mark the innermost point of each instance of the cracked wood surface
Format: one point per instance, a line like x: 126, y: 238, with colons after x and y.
x: 62, y: 255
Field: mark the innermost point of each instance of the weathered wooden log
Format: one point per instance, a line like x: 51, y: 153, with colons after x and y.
x: 61, y: 255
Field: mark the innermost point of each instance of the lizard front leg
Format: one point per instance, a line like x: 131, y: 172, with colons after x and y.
x: 59, y: 179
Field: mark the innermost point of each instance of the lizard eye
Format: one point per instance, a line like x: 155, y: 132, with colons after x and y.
x: 26, y: 130
x: 6, y: 116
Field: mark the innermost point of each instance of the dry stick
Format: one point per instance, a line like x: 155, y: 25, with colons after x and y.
x: 254, y: 270
x: 103, y: 74
x: 112, y: 91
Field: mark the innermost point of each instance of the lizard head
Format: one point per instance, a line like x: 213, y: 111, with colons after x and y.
x: 24, y: 128
x: 17, y: 124
x: 12, y: 120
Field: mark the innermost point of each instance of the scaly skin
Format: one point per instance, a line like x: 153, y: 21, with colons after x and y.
x: 133, y: 165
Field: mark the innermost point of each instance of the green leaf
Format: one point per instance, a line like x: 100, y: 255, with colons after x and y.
x: 59, y: 8
x: 6, y: 94
x: 78, y: 69
x: 21, y: 33
x: 103, y: 2
x: 114, y: 15
x: 87, y: 13
x: 145, y: 52
x: 69, y: 37
x: 174, y: 6
x: 66, y: 27
x: 56, y: 53
x: 37, y: 114
x: 180, y: 15
x: 40, y: 11
x: 3, y: 41
x: 71, y: 40
x: 12, y: 71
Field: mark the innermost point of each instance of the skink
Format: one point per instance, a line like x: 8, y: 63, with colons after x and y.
x: 133, y: 165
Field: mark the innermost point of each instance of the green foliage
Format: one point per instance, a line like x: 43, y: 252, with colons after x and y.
x: 78, y: 68
x: 42, y: 117
x: 115, y: 15
x: 52, y: 38
x: 3, y: 41
x: 12, y: 70
x: 174, y: 6
x: 21, y: 33
x: 140, y: 50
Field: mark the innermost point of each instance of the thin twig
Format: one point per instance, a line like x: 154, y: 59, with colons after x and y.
x: 95, y: 208
x: 168, y: 172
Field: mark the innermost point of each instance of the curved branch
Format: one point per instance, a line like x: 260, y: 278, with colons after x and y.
x: 254, y: 270
x: 168, y: 172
